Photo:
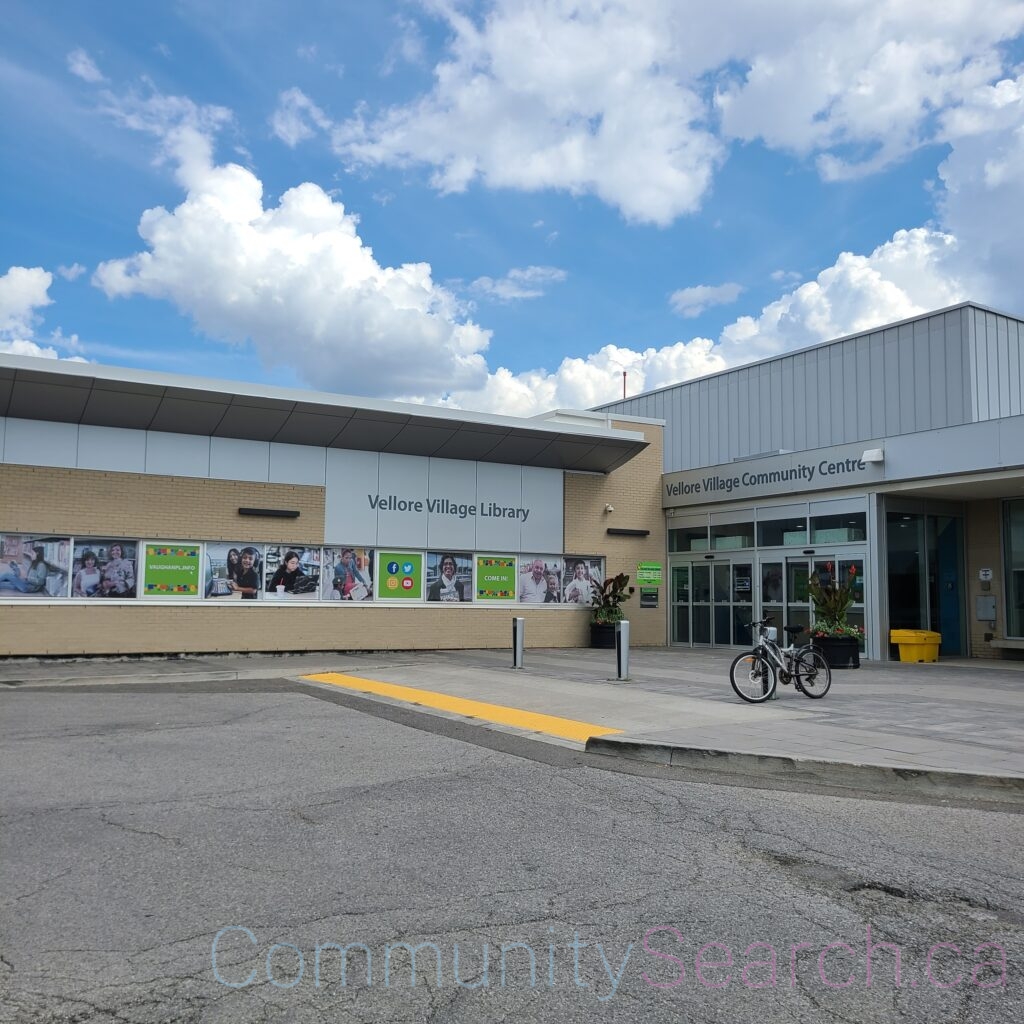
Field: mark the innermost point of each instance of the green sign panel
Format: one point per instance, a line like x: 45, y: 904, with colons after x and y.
x: 495, y: 578
x: 649, y: 573
x: 400, y: 575
x: 172, y: 570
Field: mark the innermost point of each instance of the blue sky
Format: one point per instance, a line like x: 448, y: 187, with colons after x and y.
x: 499, y: 206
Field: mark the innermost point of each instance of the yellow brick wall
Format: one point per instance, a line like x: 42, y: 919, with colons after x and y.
x: 149, y: 628
x: 634, y: 491
x: 983, y: 529
x: 40, y: 499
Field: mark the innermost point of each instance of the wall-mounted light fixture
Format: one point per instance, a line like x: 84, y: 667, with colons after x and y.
x: 273, y: 513
x: 873, y: 455
x: 609, y: 508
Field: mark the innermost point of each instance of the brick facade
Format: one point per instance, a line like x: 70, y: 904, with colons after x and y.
x: 107, y: 504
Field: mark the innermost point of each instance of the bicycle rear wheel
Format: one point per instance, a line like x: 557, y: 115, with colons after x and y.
x: 752, y: 677
x: 813, y: 676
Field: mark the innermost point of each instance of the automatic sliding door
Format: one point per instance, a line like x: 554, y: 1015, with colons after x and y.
x: 712, y: 603
x: 700, y: 604
x: 680, y: 604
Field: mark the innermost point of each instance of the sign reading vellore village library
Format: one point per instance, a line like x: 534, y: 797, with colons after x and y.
x: 444, y: 507
x: 794, y: 473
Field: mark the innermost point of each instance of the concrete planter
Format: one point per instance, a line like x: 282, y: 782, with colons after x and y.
x: 839, y: 651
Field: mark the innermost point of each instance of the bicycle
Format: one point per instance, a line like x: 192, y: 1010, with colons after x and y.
x: 755, y: 674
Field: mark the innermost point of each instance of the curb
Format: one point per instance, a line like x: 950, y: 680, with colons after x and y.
x: 934, y: 782
x: 208, y: 676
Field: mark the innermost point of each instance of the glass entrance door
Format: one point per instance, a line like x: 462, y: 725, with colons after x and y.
x: 785, y: 595
x: 712, y: 602
x: 925, y: 555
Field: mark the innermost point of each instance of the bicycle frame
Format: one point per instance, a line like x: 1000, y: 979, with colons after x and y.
x: 782, y: 658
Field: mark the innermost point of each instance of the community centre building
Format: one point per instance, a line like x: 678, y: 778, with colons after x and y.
x: 897, y: 453
x: 153, y: 513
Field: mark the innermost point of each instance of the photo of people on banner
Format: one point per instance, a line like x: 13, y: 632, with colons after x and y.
x: 34, y: 566
x: 348, y: 574
x: 292, y: 574
x: 104, y: 568
x: 540, y: 579
x: 233, y: 571
x: 583, y: 579
x: 449, y: 576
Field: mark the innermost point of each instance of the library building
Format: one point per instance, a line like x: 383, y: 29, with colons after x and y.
x: 149, y: 513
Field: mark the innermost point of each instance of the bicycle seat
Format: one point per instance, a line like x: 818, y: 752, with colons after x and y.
x: 793, y: 630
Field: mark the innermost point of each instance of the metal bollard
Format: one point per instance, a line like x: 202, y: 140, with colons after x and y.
x: 622, y: 648
x: 518, y: 638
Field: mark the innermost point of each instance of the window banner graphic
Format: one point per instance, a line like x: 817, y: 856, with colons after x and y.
x: 171, y: 570
x: 400, y: 575
x: 104, y: 568
x: 449, y: 576
x: 583, y: 579
x: 292, y: 574
x: 495, y: 578
x: 347, y: 574
x: 540, y: 579
x: 32, y: 565
x: 233, y: 571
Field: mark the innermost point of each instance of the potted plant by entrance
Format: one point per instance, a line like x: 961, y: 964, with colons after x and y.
x: 838, y: 640
x: 606, y: 609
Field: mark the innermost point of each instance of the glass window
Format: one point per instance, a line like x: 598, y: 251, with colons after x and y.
x: 728, y: 536
x: 838, y: 529
x: 688, y: 538
x: 775, y: 533
x: 1013, y: 533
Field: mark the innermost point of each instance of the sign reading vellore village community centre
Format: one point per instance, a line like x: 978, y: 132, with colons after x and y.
x: 795, y: 473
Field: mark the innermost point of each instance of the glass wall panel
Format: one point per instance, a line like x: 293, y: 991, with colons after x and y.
x: 701, y: 605
x: 775, y: 533
x: 727, y: 536
x: 842, y: 528
x: 688, y: 538
x: 742, y: 597
x: 908, y: 582
x: 680, y: 604
x: 1013, y: 543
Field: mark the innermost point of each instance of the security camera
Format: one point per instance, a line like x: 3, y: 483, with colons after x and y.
x: 609, y: 508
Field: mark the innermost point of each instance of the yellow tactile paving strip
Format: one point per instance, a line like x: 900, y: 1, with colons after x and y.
x: 550, y: 725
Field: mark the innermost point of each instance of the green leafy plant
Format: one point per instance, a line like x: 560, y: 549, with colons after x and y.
x: 607, y: 600
x: 832, y: 598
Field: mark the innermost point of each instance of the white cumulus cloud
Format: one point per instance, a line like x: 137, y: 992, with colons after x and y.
x: 519, y: 283
x: 691, y: 302
x: 295, y: 279
x: 637, y: 101
x: 23, y: 290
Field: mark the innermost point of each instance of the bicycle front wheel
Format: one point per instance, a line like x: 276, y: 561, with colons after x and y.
x: 813, y: 676
x: 752, y: 677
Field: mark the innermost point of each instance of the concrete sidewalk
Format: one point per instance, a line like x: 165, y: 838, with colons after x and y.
x: 941, y: 726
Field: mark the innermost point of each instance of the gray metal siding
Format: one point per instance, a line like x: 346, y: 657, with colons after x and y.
x: 943, y: 369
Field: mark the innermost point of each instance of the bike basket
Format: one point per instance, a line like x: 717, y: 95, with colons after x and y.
x: 771, y: 633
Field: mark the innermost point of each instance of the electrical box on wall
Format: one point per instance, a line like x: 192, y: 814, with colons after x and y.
x: 985, y: 607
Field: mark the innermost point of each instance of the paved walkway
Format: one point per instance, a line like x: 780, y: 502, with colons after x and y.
x: 952, y: 717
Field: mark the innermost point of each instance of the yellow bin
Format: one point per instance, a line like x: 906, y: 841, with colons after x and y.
x: 916, y: 644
